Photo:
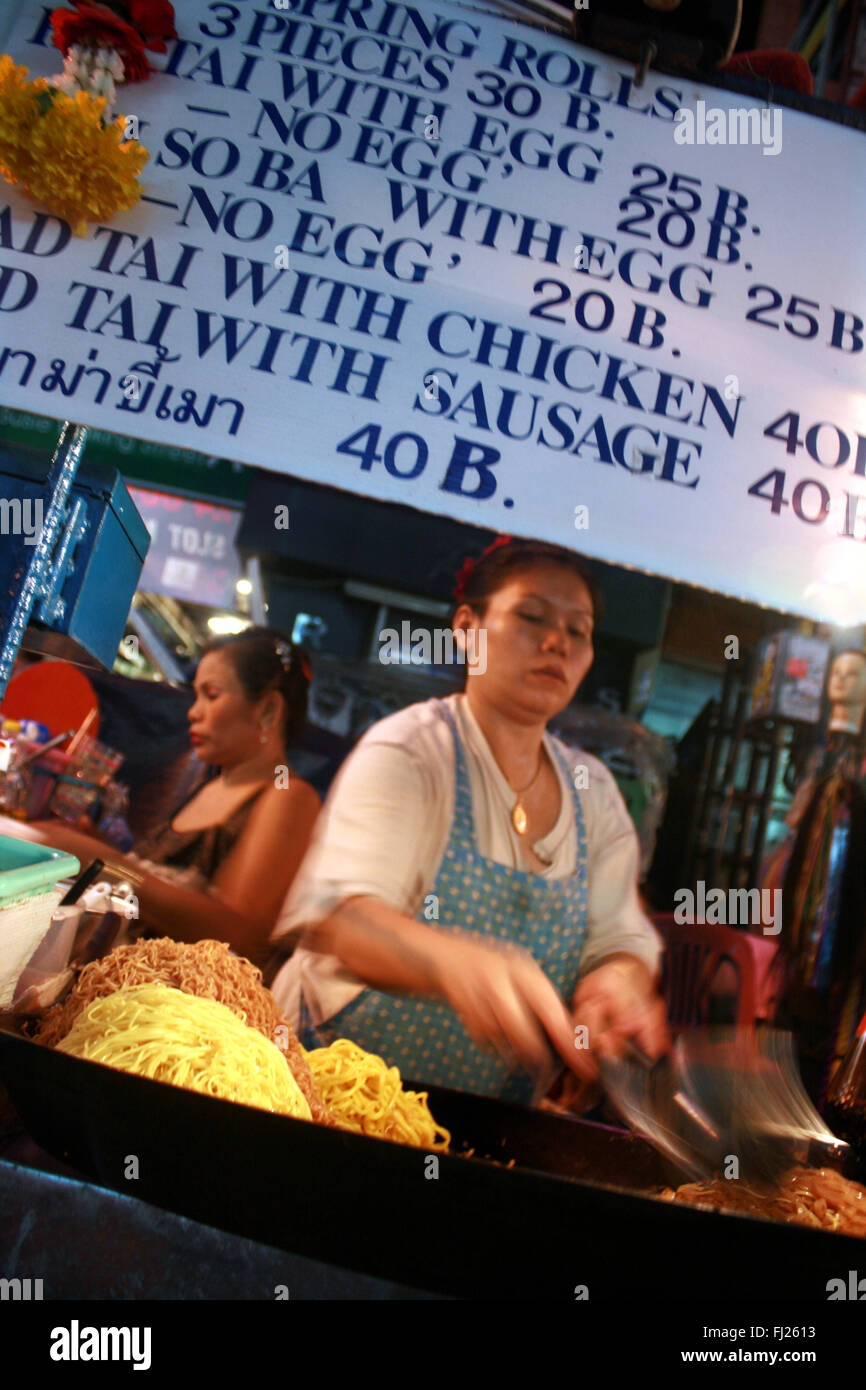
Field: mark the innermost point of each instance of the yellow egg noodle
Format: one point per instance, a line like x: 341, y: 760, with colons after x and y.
x: 367, y: 1096
x: 163, y: 1033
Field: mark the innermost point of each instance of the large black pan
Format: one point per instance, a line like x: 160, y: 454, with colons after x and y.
x: 540, y: 1229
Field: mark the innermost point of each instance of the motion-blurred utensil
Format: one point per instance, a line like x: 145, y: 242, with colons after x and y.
x: 723, y: 1093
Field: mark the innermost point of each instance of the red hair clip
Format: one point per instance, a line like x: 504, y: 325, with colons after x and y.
x: 467, y: 569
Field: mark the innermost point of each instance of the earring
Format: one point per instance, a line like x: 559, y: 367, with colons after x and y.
x: 263, y: 736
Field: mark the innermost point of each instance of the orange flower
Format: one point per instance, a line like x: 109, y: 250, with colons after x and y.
x: 19, y: 111
x: 60, y: 151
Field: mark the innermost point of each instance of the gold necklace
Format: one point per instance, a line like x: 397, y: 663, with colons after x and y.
x: 518, y: 815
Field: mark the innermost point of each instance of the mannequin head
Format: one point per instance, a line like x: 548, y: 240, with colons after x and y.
x: 846, y: 689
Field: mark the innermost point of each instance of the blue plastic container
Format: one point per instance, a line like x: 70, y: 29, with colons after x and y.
x: 27, y: 870
x: 29, y: 897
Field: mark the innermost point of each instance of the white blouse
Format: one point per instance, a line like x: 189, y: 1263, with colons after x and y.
x: 385, y: 825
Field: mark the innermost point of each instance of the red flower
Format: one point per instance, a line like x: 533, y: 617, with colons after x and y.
x: 127, y: 26
x: 96, y: 26
x: 154, y: 20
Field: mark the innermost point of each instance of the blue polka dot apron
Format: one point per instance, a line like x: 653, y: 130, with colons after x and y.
x: 425, y: 1038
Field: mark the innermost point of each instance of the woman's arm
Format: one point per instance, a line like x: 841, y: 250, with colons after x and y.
x: 181, y: 913
x: 247, y: 890
x: 187, y: 915
x: 386, y: 948
x: 501, y: 995
x: 256, y: 875
x: 58, y: 835
x: 616, y: 923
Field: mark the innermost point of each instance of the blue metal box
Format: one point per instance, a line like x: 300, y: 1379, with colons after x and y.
x: 107, y: 562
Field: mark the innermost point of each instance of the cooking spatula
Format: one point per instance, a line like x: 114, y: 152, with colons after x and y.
x: 722, y: 1094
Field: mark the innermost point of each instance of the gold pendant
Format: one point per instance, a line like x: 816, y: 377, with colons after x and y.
x: 518, y: 818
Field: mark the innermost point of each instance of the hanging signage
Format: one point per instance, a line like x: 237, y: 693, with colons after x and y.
x: 161, y: 465
x: 435, y: 257
x: 192, y: 548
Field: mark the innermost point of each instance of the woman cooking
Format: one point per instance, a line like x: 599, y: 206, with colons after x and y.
x: 464, y: 907
x: 221, y: 867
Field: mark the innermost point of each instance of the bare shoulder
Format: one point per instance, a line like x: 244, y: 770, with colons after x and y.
x: 288, y: 799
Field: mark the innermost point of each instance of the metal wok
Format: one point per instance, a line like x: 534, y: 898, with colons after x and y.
x: 569, y: 1213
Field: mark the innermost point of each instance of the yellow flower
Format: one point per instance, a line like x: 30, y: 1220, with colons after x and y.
x: 19, y: 111
x: 59, y: 151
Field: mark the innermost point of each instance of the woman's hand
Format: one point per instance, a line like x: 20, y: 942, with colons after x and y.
x: 505, y: 1001
x: 500, y: 994
x: 618, y: 1000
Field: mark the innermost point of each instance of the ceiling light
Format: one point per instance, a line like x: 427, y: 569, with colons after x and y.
x: 224, y: 624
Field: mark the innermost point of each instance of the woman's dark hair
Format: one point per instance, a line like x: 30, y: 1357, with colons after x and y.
x: 264, y: 660
x: 478, y: 580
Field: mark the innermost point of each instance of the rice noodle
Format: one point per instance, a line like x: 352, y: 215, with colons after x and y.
x: 818, y: 1197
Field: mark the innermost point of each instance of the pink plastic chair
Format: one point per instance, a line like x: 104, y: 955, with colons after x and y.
x: 694, y: 961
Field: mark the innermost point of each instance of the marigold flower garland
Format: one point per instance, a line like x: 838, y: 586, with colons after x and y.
x: 58, y: 141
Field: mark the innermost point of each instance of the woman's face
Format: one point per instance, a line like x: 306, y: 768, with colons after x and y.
x: 539, y: 628
x: 224, y: 725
